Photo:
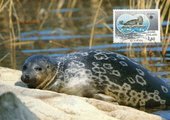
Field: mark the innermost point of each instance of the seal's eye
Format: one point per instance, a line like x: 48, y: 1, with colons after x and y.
x: 24, y: 67
x: 38, y: 68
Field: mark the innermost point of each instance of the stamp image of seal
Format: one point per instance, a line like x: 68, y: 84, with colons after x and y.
x: 136, y: 25
x: 93, y: 73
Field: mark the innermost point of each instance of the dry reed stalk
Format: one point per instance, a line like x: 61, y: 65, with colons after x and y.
x: 129, y: 50
x: 23, y: 43
x: 5, y: 56
x: 45, y: 18
x: 72, y: 5
x: 18, y: 23
x: 162, y: 5
x: 102, y: 20
x: 149, y: 4
x: 2, y: 38
x: 167, y: 41
x: 12, y: 35
x: 12, y: 13
x: 143, y: 4
x: 130, y: 3
x: 58, y: 44
x: 59, y: 7
x: 165, y: 7
x: 94, y: 23
x: 106, y: 25
x: 6, y: 41
x: 157, y: 3
x: 3, y: 5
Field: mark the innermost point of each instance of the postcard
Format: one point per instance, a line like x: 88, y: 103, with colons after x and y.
x: 136, y: 26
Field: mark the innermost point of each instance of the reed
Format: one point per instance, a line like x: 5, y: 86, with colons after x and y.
x: 164, y: 6
x: 8, y: 7
x: 13, y: 28
x: 4, y: 57
x: 46, y: 16
x: 94, y: 23
x: 165, y: 11
x: 71, y: 4
x: 12, y: 35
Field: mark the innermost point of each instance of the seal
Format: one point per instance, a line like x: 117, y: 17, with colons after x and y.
x: 94, y: 73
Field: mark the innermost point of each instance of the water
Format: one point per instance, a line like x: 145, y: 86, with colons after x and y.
x: 55, y: 32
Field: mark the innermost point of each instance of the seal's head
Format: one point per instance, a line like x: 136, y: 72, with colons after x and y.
x: 38, y: 69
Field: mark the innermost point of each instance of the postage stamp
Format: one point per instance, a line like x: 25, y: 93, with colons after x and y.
x: 136, y: 26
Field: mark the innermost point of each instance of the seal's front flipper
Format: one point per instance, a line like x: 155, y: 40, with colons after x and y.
x: 21, y: 84
x: 104, y: 97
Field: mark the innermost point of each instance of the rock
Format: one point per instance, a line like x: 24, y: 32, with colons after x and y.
x: 9, y: 76
x: 48, y: 105
x: 11, y: 108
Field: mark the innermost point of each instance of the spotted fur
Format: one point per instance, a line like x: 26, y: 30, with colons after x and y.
x: 92, y: 72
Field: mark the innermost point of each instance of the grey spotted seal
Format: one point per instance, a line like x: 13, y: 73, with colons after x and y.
x: 94, y: 72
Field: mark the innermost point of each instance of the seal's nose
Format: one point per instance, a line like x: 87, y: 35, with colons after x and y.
x: 25, y: 78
